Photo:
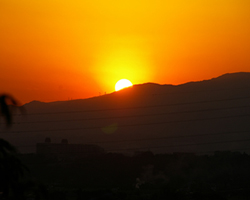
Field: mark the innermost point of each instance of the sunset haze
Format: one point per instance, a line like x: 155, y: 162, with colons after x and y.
x: 58, y: 50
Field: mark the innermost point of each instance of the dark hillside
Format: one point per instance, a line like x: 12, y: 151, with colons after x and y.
x: 196, y: 117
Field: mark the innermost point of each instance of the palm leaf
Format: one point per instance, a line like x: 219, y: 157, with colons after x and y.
x: 6, y: 101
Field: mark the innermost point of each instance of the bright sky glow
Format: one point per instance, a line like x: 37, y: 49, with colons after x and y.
x: 123, y: 83
x: 57, y: 50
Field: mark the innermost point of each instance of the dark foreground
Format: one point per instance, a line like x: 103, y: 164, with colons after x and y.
x: 224, y: 175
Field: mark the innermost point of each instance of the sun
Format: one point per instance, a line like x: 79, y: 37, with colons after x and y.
x: 123, y: 83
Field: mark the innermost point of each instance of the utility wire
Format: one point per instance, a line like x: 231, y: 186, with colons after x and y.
x: 238, y: 149
x: 168, y: 146
x: 161, y: 138
x: 182, y: 145
x: 138, y: 115
x: 139, y: 107
x: 130, y: 125
x: 200, y: 91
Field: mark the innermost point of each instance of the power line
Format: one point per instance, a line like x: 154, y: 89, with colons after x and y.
x: 139, y: 107
x: 174, y: 137
x: 201, y: 91
x: 181, y: 85
x: 169, y: 146
x: 163, y: 138
x: 131, y: 125
x: 182, y: 145
x: 138, y: 115
x: 238, y: 149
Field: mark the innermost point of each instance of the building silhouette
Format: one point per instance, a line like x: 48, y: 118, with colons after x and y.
x: 65, y: 149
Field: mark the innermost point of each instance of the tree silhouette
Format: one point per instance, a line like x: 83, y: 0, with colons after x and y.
x: 6, y: 101
x: 11, y: 168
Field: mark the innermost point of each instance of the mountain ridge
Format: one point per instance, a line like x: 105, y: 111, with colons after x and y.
x: 193, y: 117
x: 239, y: 77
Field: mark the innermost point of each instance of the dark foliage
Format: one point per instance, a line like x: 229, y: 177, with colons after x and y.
x: 12, y: 170
x: 145, y: 176
x: 6, y: 101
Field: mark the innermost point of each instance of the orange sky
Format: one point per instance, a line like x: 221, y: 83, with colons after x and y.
x: 61, y: 49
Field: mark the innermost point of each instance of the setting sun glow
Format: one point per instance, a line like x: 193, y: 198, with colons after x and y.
x: 123, y: 83
x: 84, y: 47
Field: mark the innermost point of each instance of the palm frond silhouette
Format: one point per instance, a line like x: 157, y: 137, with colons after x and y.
x: 11, y: 168
x: 6, y: 101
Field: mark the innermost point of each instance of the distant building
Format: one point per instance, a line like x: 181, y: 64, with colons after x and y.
x: 65, y: 149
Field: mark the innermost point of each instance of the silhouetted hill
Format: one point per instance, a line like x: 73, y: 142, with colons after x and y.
x: 196, y: 117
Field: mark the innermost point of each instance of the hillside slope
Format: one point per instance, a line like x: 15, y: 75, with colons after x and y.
x: 198, y: 117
